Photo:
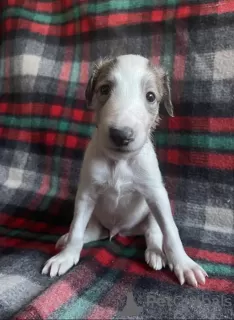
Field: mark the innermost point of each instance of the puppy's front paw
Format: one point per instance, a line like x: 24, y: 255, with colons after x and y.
x: 187, y: 270
x: 155, y: 259
x: 62, y: 262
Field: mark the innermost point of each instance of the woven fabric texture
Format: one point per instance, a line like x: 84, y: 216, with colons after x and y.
x: 46, y: 53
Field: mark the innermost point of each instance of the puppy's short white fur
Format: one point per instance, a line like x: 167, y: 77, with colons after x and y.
x: 121, y: 189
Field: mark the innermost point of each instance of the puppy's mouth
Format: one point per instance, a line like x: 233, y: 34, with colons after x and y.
x: 123, y: 150
x: 120, y: 150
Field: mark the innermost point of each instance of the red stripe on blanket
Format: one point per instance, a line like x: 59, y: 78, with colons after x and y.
x: 200, y: 124
x: 10, y: 242
x: 48, y: 7
x: 45, y: 110
x: 118, y: 19
x: 214, y: 257
x: 200, y: 159
x: 30, y: 225
x: 46, y: 138
x: 184, y: 10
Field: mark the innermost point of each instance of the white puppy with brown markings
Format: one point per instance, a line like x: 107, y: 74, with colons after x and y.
x: 121, y: 189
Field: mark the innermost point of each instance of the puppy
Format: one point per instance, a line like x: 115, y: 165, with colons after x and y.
x: 121, y: 189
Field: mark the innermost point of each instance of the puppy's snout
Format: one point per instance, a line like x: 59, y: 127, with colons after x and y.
x: 121, y: 136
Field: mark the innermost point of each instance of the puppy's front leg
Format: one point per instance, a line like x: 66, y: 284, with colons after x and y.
x: 156, y: 196
x: 70, y: 255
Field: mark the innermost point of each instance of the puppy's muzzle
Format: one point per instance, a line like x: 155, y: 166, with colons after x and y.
x: 121, y: 137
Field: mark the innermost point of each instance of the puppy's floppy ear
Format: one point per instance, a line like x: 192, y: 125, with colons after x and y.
x: 167, y: 95
x: 101, y: 68
x: 91, y: 86
x: 163, y: 85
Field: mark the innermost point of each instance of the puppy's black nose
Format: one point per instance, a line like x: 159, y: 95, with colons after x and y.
x: 122, y: 136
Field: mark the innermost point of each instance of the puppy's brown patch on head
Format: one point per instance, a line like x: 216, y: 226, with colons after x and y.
x: 100, y: 72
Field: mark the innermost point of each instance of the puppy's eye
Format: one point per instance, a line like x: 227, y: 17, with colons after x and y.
x: 105, y: 89
x: 150, y: 96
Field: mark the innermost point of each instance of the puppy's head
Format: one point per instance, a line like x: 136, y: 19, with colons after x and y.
x: 125, y: 93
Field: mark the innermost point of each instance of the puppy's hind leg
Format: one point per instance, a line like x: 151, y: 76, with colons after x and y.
x: 94, y: 231
x: 154, y: 255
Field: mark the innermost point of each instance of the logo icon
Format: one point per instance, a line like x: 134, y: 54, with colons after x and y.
x: 131, y: 309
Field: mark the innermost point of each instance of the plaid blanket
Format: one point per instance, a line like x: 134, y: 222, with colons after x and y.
x: 46, y: 52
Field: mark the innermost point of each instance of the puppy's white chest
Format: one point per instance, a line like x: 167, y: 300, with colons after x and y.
x: 117, y: 186
x: 115, y: 183
x: 111, y: 198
